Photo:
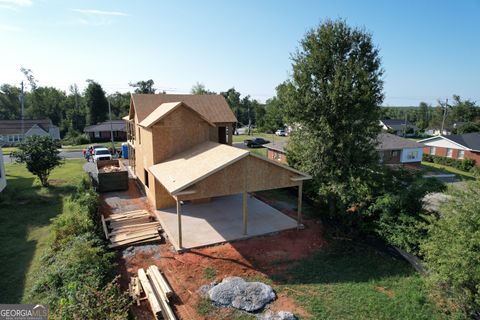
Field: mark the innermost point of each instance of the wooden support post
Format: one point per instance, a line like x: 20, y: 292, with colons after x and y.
x: 179, y: 217
x: 299, y: 208
x: 230, y: 134
x: 245, y: 212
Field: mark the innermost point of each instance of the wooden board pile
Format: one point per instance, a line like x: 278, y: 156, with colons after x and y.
x: 157, y: 292
x: 130, y: 228
x: 107, y: 169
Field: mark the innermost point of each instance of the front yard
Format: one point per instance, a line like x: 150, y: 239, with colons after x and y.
x: 442, y: 169
x: 26, y: 210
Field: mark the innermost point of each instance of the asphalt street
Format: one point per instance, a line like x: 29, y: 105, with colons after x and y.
x: 63, y: 154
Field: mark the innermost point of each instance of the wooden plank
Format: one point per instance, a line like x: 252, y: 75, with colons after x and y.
x: 127, y: 217
x: 132, y: 235
x: 152, y: 298
x: 114, y: 225
x: 104, y: 226
x: 127, y: 214
x: 161, y: 279
x: 179, y: 223
x: 134, y: 241
x: 146, y: 224
x: 245, y: 212
x: 141, y: 228
x: 166, y: 310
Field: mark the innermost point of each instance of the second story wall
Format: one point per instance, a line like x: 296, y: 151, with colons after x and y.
x: 178, y: 131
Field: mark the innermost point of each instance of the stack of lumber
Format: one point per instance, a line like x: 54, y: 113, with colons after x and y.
x: 131, y: 227
x: 157, y: 292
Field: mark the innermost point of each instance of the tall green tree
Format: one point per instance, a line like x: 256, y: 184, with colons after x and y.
x: 274, y: 115
x: 46, y: 102
x: 423, y: 115
x: 120, y: 104
x: 96, y: 103
x: 144, y: 86
x: 9, y: 102
x: 333, y: 99
x: 199, y: 88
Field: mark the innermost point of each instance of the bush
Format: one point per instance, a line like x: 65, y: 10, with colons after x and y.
x: 396, y: 213
x: 452, y: 252
x: 75, y: 138
x: 475, y: 171
x: 464, y: 165
x: 75, y: 278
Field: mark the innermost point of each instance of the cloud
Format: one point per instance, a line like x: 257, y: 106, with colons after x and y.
x: 15, y: 4
x: 100, y: 12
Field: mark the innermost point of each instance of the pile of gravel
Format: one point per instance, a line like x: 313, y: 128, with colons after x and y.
x: 280, y: 315
x: 240, y: 294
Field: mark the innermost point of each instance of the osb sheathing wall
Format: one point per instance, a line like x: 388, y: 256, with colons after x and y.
x: 177, y: 132
x: 250, y: 174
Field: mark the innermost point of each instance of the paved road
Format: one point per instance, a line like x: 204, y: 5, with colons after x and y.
x: 63, y: 154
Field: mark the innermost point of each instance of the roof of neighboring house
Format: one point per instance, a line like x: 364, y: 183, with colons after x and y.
x: 396, y: 122
x: 277, y: 146
x: 165, y: 109
x: 387, y: 141
x: 15, y: 126
x: 116, y: 125
x: 212, y: 107
x: 190, y: 166
x: 468, y: 140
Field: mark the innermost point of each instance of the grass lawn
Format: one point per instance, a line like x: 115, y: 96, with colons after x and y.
x: 80, y: 147
x: 8, y: 150
x: 440, y: 168
x: 267, y: 136
x: 352, y: 281
x: 26, y: 210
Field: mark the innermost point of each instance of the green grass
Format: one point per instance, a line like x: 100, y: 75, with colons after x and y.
x: 80, y: 147
x: 8, y: 150
x: 209, y: 273
x: 440, y: 168
x: 267, y: 136
x: 357, y: 282
x: 26, y: 210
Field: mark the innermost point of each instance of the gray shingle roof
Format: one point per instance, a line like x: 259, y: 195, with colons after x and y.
x: 469, y: 140
x: 118, y: 125
x: 277, y: 146
x: 387, y: 141
x: 15, y: 126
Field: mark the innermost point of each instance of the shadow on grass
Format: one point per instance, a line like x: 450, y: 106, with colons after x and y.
x: 26, y: 211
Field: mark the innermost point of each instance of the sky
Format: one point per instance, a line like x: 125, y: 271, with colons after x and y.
x: 430, y: 49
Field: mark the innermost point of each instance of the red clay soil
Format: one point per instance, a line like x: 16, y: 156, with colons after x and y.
x: 256, y: 259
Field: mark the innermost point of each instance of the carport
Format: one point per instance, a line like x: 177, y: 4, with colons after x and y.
x: 208, y: 189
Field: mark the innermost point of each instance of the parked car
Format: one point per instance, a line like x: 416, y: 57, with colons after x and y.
x: 94, y: 147
x: 102, y: 154
x: 255, y: 142
x: 281, y: 133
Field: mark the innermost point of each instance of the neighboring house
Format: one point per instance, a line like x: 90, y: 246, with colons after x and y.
x: 11, y: 130
x: 455, y: 146
x: 399, y: 127
x: 438, y: 132
x: 180, y: 151
x: 101, y: 131
x: 276, y: 151
x: 395, y: 150
x: 3, y: 178
x: 392, y: 150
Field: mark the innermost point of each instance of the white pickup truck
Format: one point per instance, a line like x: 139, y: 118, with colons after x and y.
x: 102, y: 154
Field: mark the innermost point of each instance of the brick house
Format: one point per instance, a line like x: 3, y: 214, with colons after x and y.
x: 455, y: 146
x: 101, y: 131
x: 392, y: 150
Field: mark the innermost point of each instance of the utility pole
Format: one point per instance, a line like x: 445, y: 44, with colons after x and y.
x: 22, y: 101
x: 111, y: 125
x: 444, y: 116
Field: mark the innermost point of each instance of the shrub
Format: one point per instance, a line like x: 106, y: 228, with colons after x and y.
x: 464, y: 165
x: 452, y: 252
x: 476, y: 171
x: 75, y: 278
x: 75, y: 138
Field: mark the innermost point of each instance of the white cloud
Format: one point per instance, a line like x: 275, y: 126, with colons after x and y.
x: 14, y: 4
x: 100, y: 12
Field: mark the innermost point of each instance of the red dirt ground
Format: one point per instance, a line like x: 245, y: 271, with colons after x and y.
x: 257, y: 258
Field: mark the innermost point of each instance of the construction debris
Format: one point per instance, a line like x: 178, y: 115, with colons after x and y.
x: 131, y: 227
x: 157, y: 292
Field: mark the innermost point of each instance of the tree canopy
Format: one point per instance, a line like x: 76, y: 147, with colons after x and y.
x: 143, y: 86
x: 96, y: 103
x: 333, y: 99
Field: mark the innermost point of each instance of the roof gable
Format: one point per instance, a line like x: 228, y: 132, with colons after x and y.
x: 212, y: 107
x: 387, y: 141
x: 470, y: 141
x: 164, y: 110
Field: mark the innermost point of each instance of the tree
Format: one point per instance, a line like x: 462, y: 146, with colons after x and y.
x: 464, y: 110
x: 120, y: 103
x: 40, y: 154
x: 333, y: 98
x: 96, y: 103
x: 232, y: 97
x: 144, y: 86
x: 9, y: 102
x: 423, y: 115
x: 199, y: 88
x: 274, y: 115
x: 468, y: 127
x: 452, y: 251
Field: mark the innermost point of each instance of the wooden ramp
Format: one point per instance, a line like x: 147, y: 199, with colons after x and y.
x: 157, y: 292
x: 130, y: 228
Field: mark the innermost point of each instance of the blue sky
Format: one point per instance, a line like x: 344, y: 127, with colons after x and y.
x: 430, y: 49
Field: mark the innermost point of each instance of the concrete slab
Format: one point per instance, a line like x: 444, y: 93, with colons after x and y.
x: 221, y: 220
